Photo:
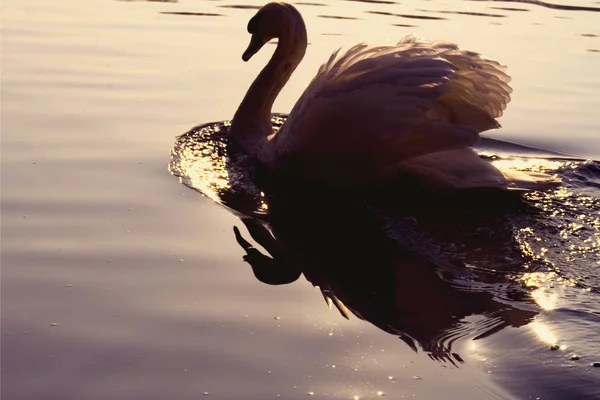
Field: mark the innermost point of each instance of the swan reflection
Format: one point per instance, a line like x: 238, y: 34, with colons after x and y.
x: 349, y: 254
x: 428, y: 268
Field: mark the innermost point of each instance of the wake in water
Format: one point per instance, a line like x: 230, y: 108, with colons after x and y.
x: 434, y: 270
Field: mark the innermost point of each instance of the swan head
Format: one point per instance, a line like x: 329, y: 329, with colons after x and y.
x: 274, y: 20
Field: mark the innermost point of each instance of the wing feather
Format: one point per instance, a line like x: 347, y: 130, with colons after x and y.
x: 383, y: 104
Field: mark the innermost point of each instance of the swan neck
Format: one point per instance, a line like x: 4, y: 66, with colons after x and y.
x: 251, y: 124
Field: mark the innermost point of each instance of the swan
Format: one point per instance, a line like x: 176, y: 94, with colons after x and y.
x: 374, y: 113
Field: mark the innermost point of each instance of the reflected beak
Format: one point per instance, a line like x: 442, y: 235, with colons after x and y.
x: 256, y: 43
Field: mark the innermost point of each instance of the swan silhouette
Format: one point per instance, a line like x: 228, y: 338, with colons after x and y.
x: 374, y: 113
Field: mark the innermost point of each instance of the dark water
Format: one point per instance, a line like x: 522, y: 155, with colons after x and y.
x: 118, y: 282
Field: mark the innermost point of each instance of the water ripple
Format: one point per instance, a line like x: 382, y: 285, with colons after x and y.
x: 411, y: 16
x: 192, y: 14
x: 337, y: 17
x: 549, y: 5
x: 509, y: 9
x: 472, y: 13
x: 241, y: 7
x: 303, y: 3
x: 375, y: 1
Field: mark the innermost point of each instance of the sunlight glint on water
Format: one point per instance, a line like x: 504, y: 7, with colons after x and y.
x: 118, y: 281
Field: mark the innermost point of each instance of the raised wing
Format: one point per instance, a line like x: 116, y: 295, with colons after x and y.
x: 372, y: 107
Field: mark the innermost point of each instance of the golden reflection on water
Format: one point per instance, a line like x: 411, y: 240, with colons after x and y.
x: 544, y: 299
x: 529, y: 164
x: 202, y: 160
x: 208, y: 174
x: 543, y: 296
x: 543, y: 332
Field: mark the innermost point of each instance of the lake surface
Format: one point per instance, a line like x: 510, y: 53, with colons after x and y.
x: 120, y: 282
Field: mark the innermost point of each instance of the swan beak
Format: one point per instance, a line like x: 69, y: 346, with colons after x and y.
x: 256, y: 43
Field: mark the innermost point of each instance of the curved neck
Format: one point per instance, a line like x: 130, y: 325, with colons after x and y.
x: 251, y: 124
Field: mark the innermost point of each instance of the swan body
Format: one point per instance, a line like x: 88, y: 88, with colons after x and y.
x: 374, y: 112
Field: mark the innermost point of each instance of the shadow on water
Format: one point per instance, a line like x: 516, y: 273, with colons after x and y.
x: 431, y: 270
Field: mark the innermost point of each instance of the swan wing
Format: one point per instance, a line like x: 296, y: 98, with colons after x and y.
x: 383, y: 104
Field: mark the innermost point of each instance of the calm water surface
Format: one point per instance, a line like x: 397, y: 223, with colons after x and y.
x: 120, y: 282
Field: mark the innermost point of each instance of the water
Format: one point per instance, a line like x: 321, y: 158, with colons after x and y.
x: 119, y: 282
